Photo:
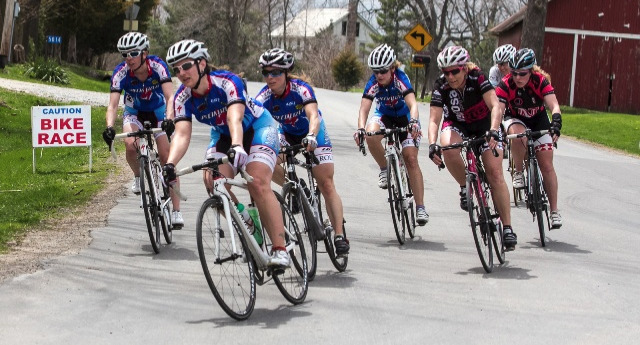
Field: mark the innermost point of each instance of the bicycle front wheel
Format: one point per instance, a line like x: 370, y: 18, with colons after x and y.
x: 164, y: 200
x: 228, y: 269
x: 479, y: 219
x: 395, y: 201
x: 300, y: 212
x: 149, y: 203
x: 497, y: 231
x: 293, y: 282
x: 538, y: 201
x: 410, y: 213
x: 339, y: 261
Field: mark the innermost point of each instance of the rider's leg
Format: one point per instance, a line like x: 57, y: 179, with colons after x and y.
x: 410, y: 154
x: 550, y: 179
x: 163, y: 151
x: 324, y: 176
x: 499, y: 190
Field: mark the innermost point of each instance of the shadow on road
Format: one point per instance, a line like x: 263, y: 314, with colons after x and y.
x: 501, y: 272
x: 266, y: 318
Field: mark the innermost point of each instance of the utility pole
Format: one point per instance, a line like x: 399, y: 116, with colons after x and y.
x: 5, y: 45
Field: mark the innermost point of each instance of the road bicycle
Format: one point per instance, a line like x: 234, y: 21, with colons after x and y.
x: 535, y: 196
x: 483, y: 217
x: 401, y: 201
x: 305, y: 200
x: 154, y: 194
x: 232, y: 259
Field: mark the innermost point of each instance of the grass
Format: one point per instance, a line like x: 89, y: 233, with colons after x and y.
x: 79, y: 77
x: 618, y: 131
x: 62, y: 179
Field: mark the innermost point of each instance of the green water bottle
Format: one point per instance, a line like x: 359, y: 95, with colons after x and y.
x: 245, y: 216
x: 255, y: 217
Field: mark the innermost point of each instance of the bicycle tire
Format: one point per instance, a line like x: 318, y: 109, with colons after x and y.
x: 165, y: 203
x: 537, y: 201
x: 149, y: 204
x: 497, y: 231
x: 478, y: 219
x: 293, y: 283
x: 293, y: 196
x: 395, y: 201
x: 340, y: 262
x: 229, y: 276
x: 410, y: 213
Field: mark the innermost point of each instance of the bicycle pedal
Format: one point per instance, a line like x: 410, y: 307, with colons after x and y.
x: 275, y: 271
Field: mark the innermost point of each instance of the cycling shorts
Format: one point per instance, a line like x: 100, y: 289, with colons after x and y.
x: 468, y: 133
x: 544, y: 143
x: 137, y: 118
x: 385, y: 121
x: 324, y: 151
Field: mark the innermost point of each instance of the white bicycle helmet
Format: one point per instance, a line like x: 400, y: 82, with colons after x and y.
x: 503, y: 53
x: 382, y: 57
x: 278, y: 58
x: 452, y: 56
x: 132, y: 41
x: 187, y: 49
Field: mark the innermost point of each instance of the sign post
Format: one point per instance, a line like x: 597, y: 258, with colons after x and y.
x: 61, y: 126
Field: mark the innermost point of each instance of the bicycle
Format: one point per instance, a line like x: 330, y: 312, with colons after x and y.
x: 400, y: 199
x: 485, y: 221
x: 232, y: 260
x: 154, y: 194
x: 535, y: 196
x: 305, y: 198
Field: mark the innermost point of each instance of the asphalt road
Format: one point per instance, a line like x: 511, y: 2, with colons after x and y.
x: 582, y: 288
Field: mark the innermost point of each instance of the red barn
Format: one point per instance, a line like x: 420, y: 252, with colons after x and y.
x: 591, y: 51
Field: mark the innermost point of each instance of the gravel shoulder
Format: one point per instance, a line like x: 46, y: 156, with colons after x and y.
x: 54, y: 237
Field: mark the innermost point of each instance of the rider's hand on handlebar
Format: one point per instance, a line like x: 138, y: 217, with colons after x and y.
x: 109, y: 135
x: 414, y: 127
x: 237, y: 156
x: 168, y: 127
x: 358, y: 136
x: 311, y: 142
x: 492, y: 137
x: 169, y: 174
x: 435, y: 154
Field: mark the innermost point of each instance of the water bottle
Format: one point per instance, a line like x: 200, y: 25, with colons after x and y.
x: 255, y: 218
x: 247, y: 218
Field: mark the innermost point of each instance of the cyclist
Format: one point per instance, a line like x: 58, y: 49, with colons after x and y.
x: 470, y: 108
x: 147, y: 86
x: 501, y: 67
x: 292, y: 102
x: 239, y: 125
x: 396, y: 106
x: 524, y: 93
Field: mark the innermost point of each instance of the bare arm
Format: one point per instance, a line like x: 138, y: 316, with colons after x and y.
x: 363, y: 114
x: 410, y: 99
x: 235, y: 114
x: 167, y: 90
x: 180, y: 141
x: 311, y: 110
x: 435, y: 116
x: 112, y: 108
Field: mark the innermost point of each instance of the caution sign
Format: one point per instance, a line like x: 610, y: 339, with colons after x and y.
x: 418, y: 38
x: 60, y: 126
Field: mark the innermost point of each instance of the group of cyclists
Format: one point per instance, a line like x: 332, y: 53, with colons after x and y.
x: 250, y: 131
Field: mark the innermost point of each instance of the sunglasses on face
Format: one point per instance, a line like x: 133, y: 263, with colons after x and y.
x: 131, y: 54
x: 502, y: 64
x: 453, y: 71
x: 274, y: 73
x: 520, y: 74
x: 185, y: 66
x: 380, y: 71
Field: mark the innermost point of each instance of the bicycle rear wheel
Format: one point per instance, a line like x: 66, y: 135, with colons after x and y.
x: 149, y: 203
x: 293, y: 198
x: 229, y: 273
x: 479, y: 218
x: 294, y: 281
x: 164, y: 200
x: 339, y: 261
x: 395, y: 201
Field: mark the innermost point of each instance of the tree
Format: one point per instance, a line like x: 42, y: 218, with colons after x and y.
x: 392, y: 18
x: 347, y: 70
x: 533, y: 26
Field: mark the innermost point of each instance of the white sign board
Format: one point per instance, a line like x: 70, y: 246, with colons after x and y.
x: 61, y: 126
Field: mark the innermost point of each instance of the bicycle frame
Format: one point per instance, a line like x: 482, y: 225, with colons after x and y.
x: 393, y: 153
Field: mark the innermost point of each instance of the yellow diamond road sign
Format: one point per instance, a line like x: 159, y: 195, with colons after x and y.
x: 418, y: 38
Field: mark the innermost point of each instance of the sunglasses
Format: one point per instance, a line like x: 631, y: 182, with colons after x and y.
x: 185, y: 66
x: 274, y: 73
x: 453, y: 71
x: 519, y: 74
x: 380, y: 71
x: 131, y: 54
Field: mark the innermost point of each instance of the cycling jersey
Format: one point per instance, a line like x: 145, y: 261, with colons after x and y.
x: 225, y: 89
x: 144, y: 95
x: 288, y: 109
x: 466, y: 108
x: 390, y: 98
x: 525, y: 103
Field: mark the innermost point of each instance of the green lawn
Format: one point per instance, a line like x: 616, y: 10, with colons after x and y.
x: 80, y: 77
x: 62, y: 179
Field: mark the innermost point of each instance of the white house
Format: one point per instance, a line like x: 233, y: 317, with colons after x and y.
x: 308, y: 23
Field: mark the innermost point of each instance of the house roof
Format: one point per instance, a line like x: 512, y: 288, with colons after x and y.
x: 311, y: 21
x: 509, y: 22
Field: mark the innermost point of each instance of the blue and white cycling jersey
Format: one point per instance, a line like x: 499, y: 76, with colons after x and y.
x: 141, y: 95
x: 390, y: 98
x: 225, y: 89
x: 288, y: 109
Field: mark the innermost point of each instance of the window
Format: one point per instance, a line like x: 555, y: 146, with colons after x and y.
x: 357, y: 29
x: 344, y: 29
